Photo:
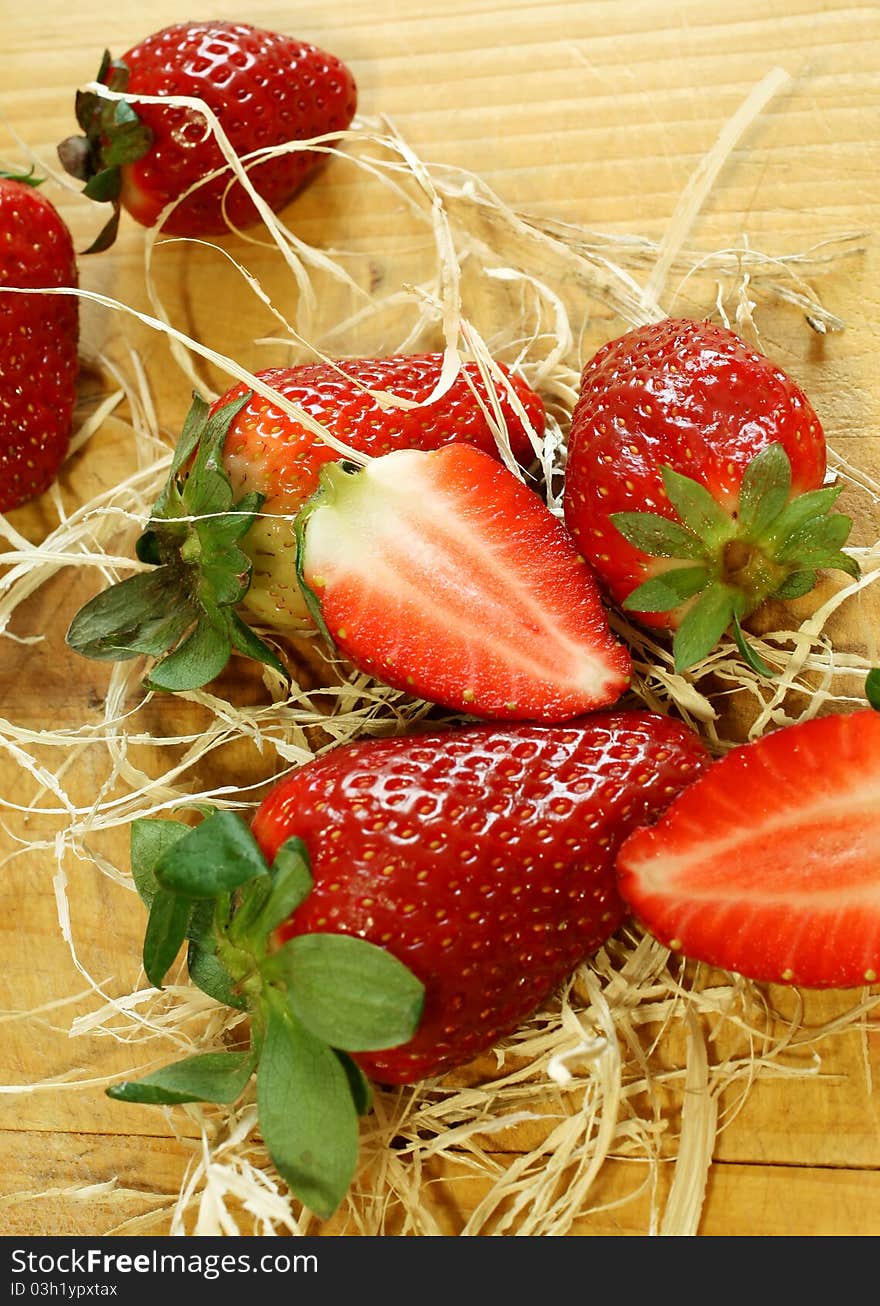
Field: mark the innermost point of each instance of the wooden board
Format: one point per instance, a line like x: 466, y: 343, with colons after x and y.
x: 589, y: 113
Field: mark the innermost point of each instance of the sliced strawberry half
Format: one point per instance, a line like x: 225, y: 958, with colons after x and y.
x: 445, y: 576
x: 769, y: 864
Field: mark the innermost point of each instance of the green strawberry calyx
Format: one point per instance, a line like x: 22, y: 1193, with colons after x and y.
x: 872, y: 688
x: 312, y: 1001
x: 719, y: 567
x: 183, y: 611
x: 113, y: 135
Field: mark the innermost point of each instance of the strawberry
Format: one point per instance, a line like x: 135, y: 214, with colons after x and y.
x: 266, y: 90
x: 693, y: 483
x: 482, y: 857
x: 39, y: 336
x: 269, y: 451
x: 216, y: 550
x: 443, y: 575
x: 767, y: 866
x: 396, y: 906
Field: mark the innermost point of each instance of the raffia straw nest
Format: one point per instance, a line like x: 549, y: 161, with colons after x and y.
x: 617, y: 1091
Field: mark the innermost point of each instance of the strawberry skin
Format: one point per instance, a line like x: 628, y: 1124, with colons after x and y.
x: 38, y: 343
x: 268, y: 451
x: 688, y: 458
x: 768, y: 866
x: 265, y: 88
x: 443, y: 575
x: 481, y: 856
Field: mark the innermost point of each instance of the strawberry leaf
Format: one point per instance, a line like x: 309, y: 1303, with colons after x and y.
x: 149, y: 838
x: 105, y: 186
x: 821, y: 535
x: 142, y: 614
x: 216, y: 856
x: 750, y: 655
x: 795, y: 515
x: 702, y: 626
x: 351, y: 993
x: 658, y: 536
x: 667, y: 590
x: 208, y: 973
x: 200, y: 658
x: 872, y: 688
x: 308, y: 1116
x: 796, y: 585
x: 697, y: 509
x: 764, y: 492
x: 291, y: 882
x: 361, y: 1091
x: 183, y: 613
x: 165, y: 933
x: 208, y: 1077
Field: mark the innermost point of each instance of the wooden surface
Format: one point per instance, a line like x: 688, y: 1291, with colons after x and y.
x: 596, y: 114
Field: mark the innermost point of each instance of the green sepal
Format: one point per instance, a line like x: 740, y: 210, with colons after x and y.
x: 208, y: 973
x: 105, y: 187
x: 216, y: 856
x: 183, y: 614
x: 796, y: 585
x: 667, y: 590
x: 818, y: 537
x: 194, y: 662
x: 308, y: 1116
x: 219, y: 1077
x: 352, y: 994
x: 658, y: 536
x: 165, y: 934
x: 702, y: 627
x: 149, y: 839
x: 107, y: 235
x: 291, y: 885
x: 361, y: 1089
x: 764, y: 491
x: 771, y: 547
x: 795, y: 515
x: 143, y: 614
x: 113, y: 136
x: 872, y: 688
x: 697, y: 509
x: 29, y: 178
x: 246, y: 640
x: 750, y: 655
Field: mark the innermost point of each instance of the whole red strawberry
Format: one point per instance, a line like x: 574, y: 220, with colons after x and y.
x: 223, y: 530
x: 266, y: 89
x: 768, y: 865
x: 396, y: 906
x: 481, y: 857
x: 38, y: 342
x: 694, y: 482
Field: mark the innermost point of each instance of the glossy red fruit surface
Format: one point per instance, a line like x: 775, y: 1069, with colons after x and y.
x: 39, y: 337
x: 482, y: 857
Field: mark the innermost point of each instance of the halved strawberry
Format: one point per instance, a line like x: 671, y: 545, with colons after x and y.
x: 445, y: 576
x: 221, y: 534
x: 769, y: 865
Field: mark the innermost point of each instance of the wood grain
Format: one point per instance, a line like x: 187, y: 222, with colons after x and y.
x: 591, y: 113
